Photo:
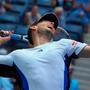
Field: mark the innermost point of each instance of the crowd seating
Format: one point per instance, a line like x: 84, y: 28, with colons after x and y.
x: 76, y: 32
x: 11, y: 20
x: 44, y: 9
x: 21, y: 29
x: 44, y: 2
x: 74, y: 20
x: 7, y: 26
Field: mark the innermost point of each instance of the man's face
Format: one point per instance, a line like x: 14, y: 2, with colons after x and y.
x: 44, y: 26
x: 34, y: 10
x: 47, y: 24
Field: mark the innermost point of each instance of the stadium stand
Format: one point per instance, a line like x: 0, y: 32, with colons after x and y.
x: 11, y: 20
x: 76, y: 32
x: 7, y: 26
x: 44, y: 9
x: 21, y: 29
x: 18, y: 8
x: 8, y: 18
x: 74, y: 20
x: 44, y: 2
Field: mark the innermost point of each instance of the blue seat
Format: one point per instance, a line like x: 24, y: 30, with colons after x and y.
x: 75, y: 31
x: 18, y: 2
x: 30, y: 1
x: 9, y: 18
x: 66, y: 14
x: 44, y: 2
x: 74, y: 20
x: 21, y: 1
x: 7, y: 26
x: 74, y: 28
x: 21, y: 29
x: 74, y: 36
x: 59, y: 36
x: 18, y: 8
x: 44, y: 10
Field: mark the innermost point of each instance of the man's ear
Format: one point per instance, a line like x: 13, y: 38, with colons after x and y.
x: 33, y: 28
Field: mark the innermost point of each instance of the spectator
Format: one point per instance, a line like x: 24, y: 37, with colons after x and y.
x: 2, y: 9
x: 54, y: 3
x: 84, y: 3
x: 8, y: 4
x: 61, y: 19
x: 87, y: 10
x: 67, y: 4
x: 78, y: 9
x: 87, y: 17
x: 79, y: 13
x: 75, y: 10
x: 74, y: 4
x: 61, y: 22
x: 32, y: 16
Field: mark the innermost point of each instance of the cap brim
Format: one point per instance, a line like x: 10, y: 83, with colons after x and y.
x: 50, y: 17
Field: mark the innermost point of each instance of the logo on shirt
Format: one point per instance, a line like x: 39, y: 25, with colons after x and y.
x: 74, y: 43
x: 40, y: 50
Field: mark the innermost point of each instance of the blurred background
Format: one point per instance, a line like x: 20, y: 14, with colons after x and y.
x: 73, y: 16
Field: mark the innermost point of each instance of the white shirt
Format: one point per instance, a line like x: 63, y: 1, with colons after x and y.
x: 43, y: 67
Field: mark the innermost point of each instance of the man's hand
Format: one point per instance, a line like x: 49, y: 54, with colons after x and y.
x: 4, y: 39
x: 3, y: 32
x: 7, y: 36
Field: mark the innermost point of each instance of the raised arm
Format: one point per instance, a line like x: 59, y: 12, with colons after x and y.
x: 85, y: 53
x: 6, y: 61
x: 76, y: 48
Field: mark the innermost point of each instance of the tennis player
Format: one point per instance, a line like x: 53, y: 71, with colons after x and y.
x: 44, y: 66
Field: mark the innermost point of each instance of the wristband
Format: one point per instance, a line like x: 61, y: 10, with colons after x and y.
x: 16, y: 37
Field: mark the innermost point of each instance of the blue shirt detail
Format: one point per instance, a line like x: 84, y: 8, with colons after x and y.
x: 24, y: 83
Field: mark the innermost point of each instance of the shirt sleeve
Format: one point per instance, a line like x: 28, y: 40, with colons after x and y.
x: 73, y: 46
x: 6, y: 59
